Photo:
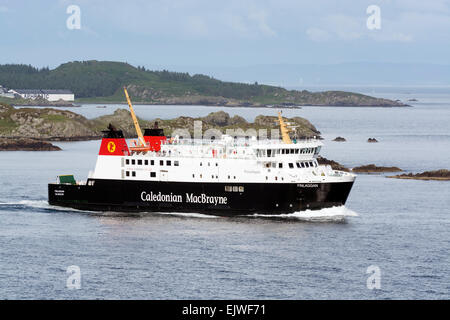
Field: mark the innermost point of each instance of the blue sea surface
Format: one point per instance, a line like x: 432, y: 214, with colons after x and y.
x: 400, y: 226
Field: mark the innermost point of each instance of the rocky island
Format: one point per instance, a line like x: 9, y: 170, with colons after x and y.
x: 371, y: 168
x: 25, y: 144
x: 442, y: 174
x: 334, y: 165
x: 61, y: 125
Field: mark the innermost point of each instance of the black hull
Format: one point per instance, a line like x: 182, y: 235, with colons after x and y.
x: 208, y: 198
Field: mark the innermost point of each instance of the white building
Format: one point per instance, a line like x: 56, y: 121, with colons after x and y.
x: 50, y: 95
x: 5, y: 93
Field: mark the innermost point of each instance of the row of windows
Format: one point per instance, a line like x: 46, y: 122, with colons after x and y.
x: 212, y: 176
x: 152, y: 162
x: 209, y: 164
x: 234, y: 188
x: 305, y: 164
x: 133, y: 174
x: 273, y: 152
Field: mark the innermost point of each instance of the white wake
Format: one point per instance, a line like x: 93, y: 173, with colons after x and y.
x: 326, y: 214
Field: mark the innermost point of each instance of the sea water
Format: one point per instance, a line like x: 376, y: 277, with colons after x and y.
x: 399, y: 227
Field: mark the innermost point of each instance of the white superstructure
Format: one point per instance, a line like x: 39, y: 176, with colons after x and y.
x: 225, y: 160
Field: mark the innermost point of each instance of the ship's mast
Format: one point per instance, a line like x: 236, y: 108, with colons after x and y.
x: 284, y: 129
x: 136, y: 123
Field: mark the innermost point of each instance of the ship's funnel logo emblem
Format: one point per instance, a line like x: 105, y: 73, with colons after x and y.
x: 111, y: 147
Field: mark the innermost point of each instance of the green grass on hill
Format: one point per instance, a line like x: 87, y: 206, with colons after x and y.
x: 102, y: 81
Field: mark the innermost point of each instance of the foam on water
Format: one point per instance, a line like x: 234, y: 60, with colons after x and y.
x: 36, y: 204
x: 326, y: 214
x: 43, y: 204
x: 188, y: 214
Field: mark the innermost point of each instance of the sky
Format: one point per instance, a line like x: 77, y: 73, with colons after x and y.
x: 222, y: 34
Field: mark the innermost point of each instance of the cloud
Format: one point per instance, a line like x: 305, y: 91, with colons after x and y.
x: 396, y: 36
x: 348, y: 28
x: 336, y: 27
x: 259, y: 17
x: 196, y: 26
x: 317, y: 34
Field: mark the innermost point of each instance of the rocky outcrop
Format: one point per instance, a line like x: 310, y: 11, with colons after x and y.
x: 25, y: 144
x: 61, y: 125
x: 334, y: 165
x: 372, y: 140
x: 442, y: 174
x: 45, y: 124
x: 371, y: 168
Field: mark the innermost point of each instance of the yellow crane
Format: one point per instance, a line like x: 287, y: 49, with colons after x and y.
x: 284, y: 129
x: 141, y: 140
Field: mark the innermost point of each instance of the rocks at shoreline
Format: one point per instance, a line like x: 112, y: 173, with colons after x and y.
x: 339, y: 139
x: 63, y: 125
x: 371, y: 168
x: 372, y: 140
x: 24, y: 144
x: 442, y: 174
x: 334, y: 165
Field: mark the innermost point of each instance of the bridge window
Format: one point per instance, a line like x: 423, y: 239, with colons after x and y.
x: 168, y: 162
x: 298, y: 165
x: 127, y: 173
x: 152, y: 174
x: 161, y: 162
x: 176, y: 163
x: 133, y: 162
x: 140, y: 162
x: 146, y: 162
x: 296, y: 151
x: 291, y: 165
x: 133, y: 173
x: 303, y: 164
x: 152, y: 162
x: 127, y: 161
x: 280, y: 165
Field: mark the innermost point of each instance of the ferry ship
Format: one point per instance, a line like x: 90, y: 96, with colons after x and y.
x: 225, y: 177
